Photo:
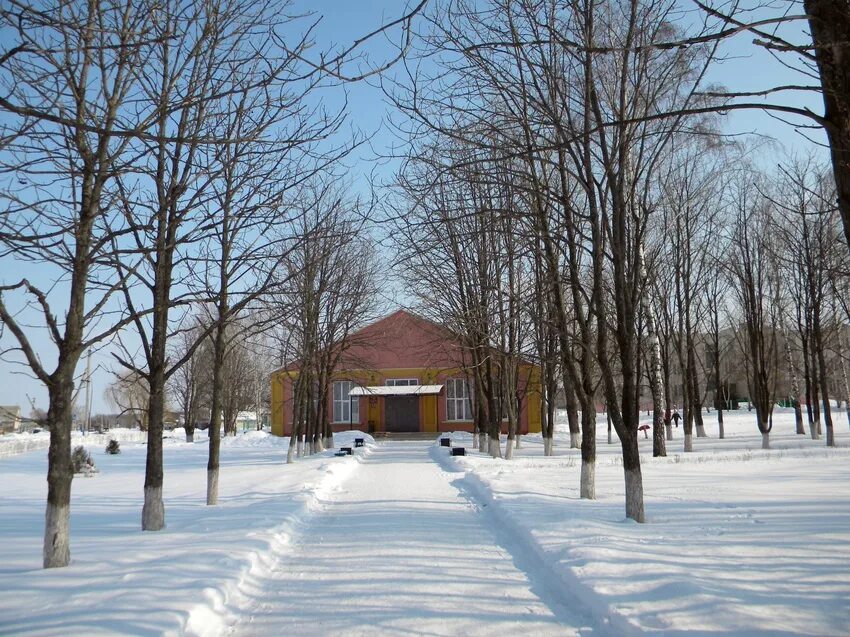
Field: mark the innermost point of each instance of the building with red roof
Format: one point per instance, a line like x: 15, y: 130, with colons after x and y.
x: 403, y: 373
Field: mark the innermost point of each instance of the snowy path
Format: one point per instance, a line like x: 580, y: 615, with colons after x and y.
x: 398, y: 550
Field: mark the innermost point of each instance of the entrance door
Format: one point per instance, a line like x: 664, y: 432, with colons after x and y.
x: 402, y: 413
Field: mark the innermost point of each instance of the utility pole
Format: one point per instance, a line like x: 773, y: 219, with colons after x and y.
x: 87, y: 413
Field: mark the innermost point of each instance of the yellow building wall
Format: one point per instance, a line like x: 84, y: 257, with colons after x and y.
x: 428, y: 403
x: 428, y: 417
x: 374, y: 413
x: 533, y: 397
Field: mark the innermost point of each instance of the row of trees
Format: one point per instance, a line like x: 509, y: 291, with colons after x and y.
x: 568, y: 186
x: 245, y: 387
x: 152, y: 156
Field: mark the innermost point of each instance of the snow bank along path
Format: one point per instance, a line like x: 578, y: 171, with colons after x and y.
x: 398, y: 549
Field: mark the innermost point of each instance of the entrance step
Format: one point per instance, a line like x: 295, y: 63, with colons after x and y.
x: 405, y: 435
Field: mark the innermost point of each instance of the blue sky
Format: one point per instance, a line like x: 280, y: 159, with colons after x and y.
x: 748, y: 67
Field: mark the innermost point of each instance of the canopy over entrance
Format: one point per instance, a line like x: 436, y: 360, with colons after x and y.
x: 396, y: 390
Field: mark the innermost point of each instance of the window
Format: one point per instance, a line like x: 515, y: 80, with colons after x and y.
x: 458, y: 404
x: 346, y: 409
x: 402, y: 382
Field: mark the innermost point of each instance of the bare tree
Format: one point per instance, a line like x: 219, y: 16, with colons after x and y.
x: 691, y: 191
x: 326, y: 291
x: 129, y: 393
x: 804, y: 201
x: 756, y: 284
x: 188, y: 379
x: 67, y: 83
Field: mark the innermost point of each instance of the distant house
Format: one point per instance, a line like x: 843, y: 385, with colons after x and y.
x: 402, y: 373
x: 10, y: 418
x: 247, y: 420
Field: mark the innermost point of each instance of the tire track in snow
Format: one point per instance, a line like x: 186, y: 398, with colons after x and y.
x: 555, y: 586
x: 400, y: 550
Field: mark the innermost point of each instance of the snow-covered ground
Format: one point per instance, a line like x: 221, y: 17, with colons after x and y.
x: 738, y: 541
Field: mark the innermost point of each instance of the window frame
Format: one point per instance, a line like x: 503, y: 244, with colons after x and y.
x: 347, y: 404
x: 401, y: 382
x: 453, y: 401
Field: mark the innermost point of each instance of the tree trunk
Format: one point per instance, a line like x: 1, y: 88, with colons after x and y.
x: 656, y: 376
x: 219, y: 345
x: 60, y: 474
x: 588, y: 452
x: 588, y: 479
x: 633, y: 478
x: 495, y: 447
x: 765, y: 440
x: 829, y: 24
x: 795, y: 385
x: 517, y: 424
x: 153, y: 510
x: 700, y: 424
x: 549, y: 405
x: 572, y: 417
x: 827, y: 410
x: 840, y: 353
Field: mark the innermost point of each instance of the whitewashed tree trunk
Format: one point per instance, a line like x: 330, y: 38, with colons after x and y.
x: 816, y: 429
x: 329, y: 442
x: 190, y: 437
x: 701, y: 431
x: 290, y: 453
x: 669, y: 427
x: 509, y: 449
x: 212, y: 487
x: 588, y: 480
x: 765, y: 441
x: 495, y: 448
x: 482, y: 442
x: 548, y: 447
x: 689, y: 442
x: 57, y: 536
x: 153, y: 511
x: 575, y: 440
x: 518, y: 438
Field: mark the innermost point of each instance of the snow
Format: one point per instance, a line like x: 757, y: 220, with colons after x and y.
x: 402, y: 538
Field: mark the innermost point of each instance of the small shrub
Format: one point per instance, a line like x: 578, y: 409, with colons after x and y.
x: 113, y: 447
x: 82, y: 461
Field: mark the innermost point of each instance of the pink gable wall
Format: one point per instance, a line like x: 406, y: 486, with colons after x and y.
x: 402, y: 340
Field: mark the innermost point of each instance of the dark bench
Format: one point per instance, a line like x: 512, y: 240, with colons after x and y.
x: 458, y: 451
x: 345, y: 450
x: 359, y: 442
x: 445, y: 442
